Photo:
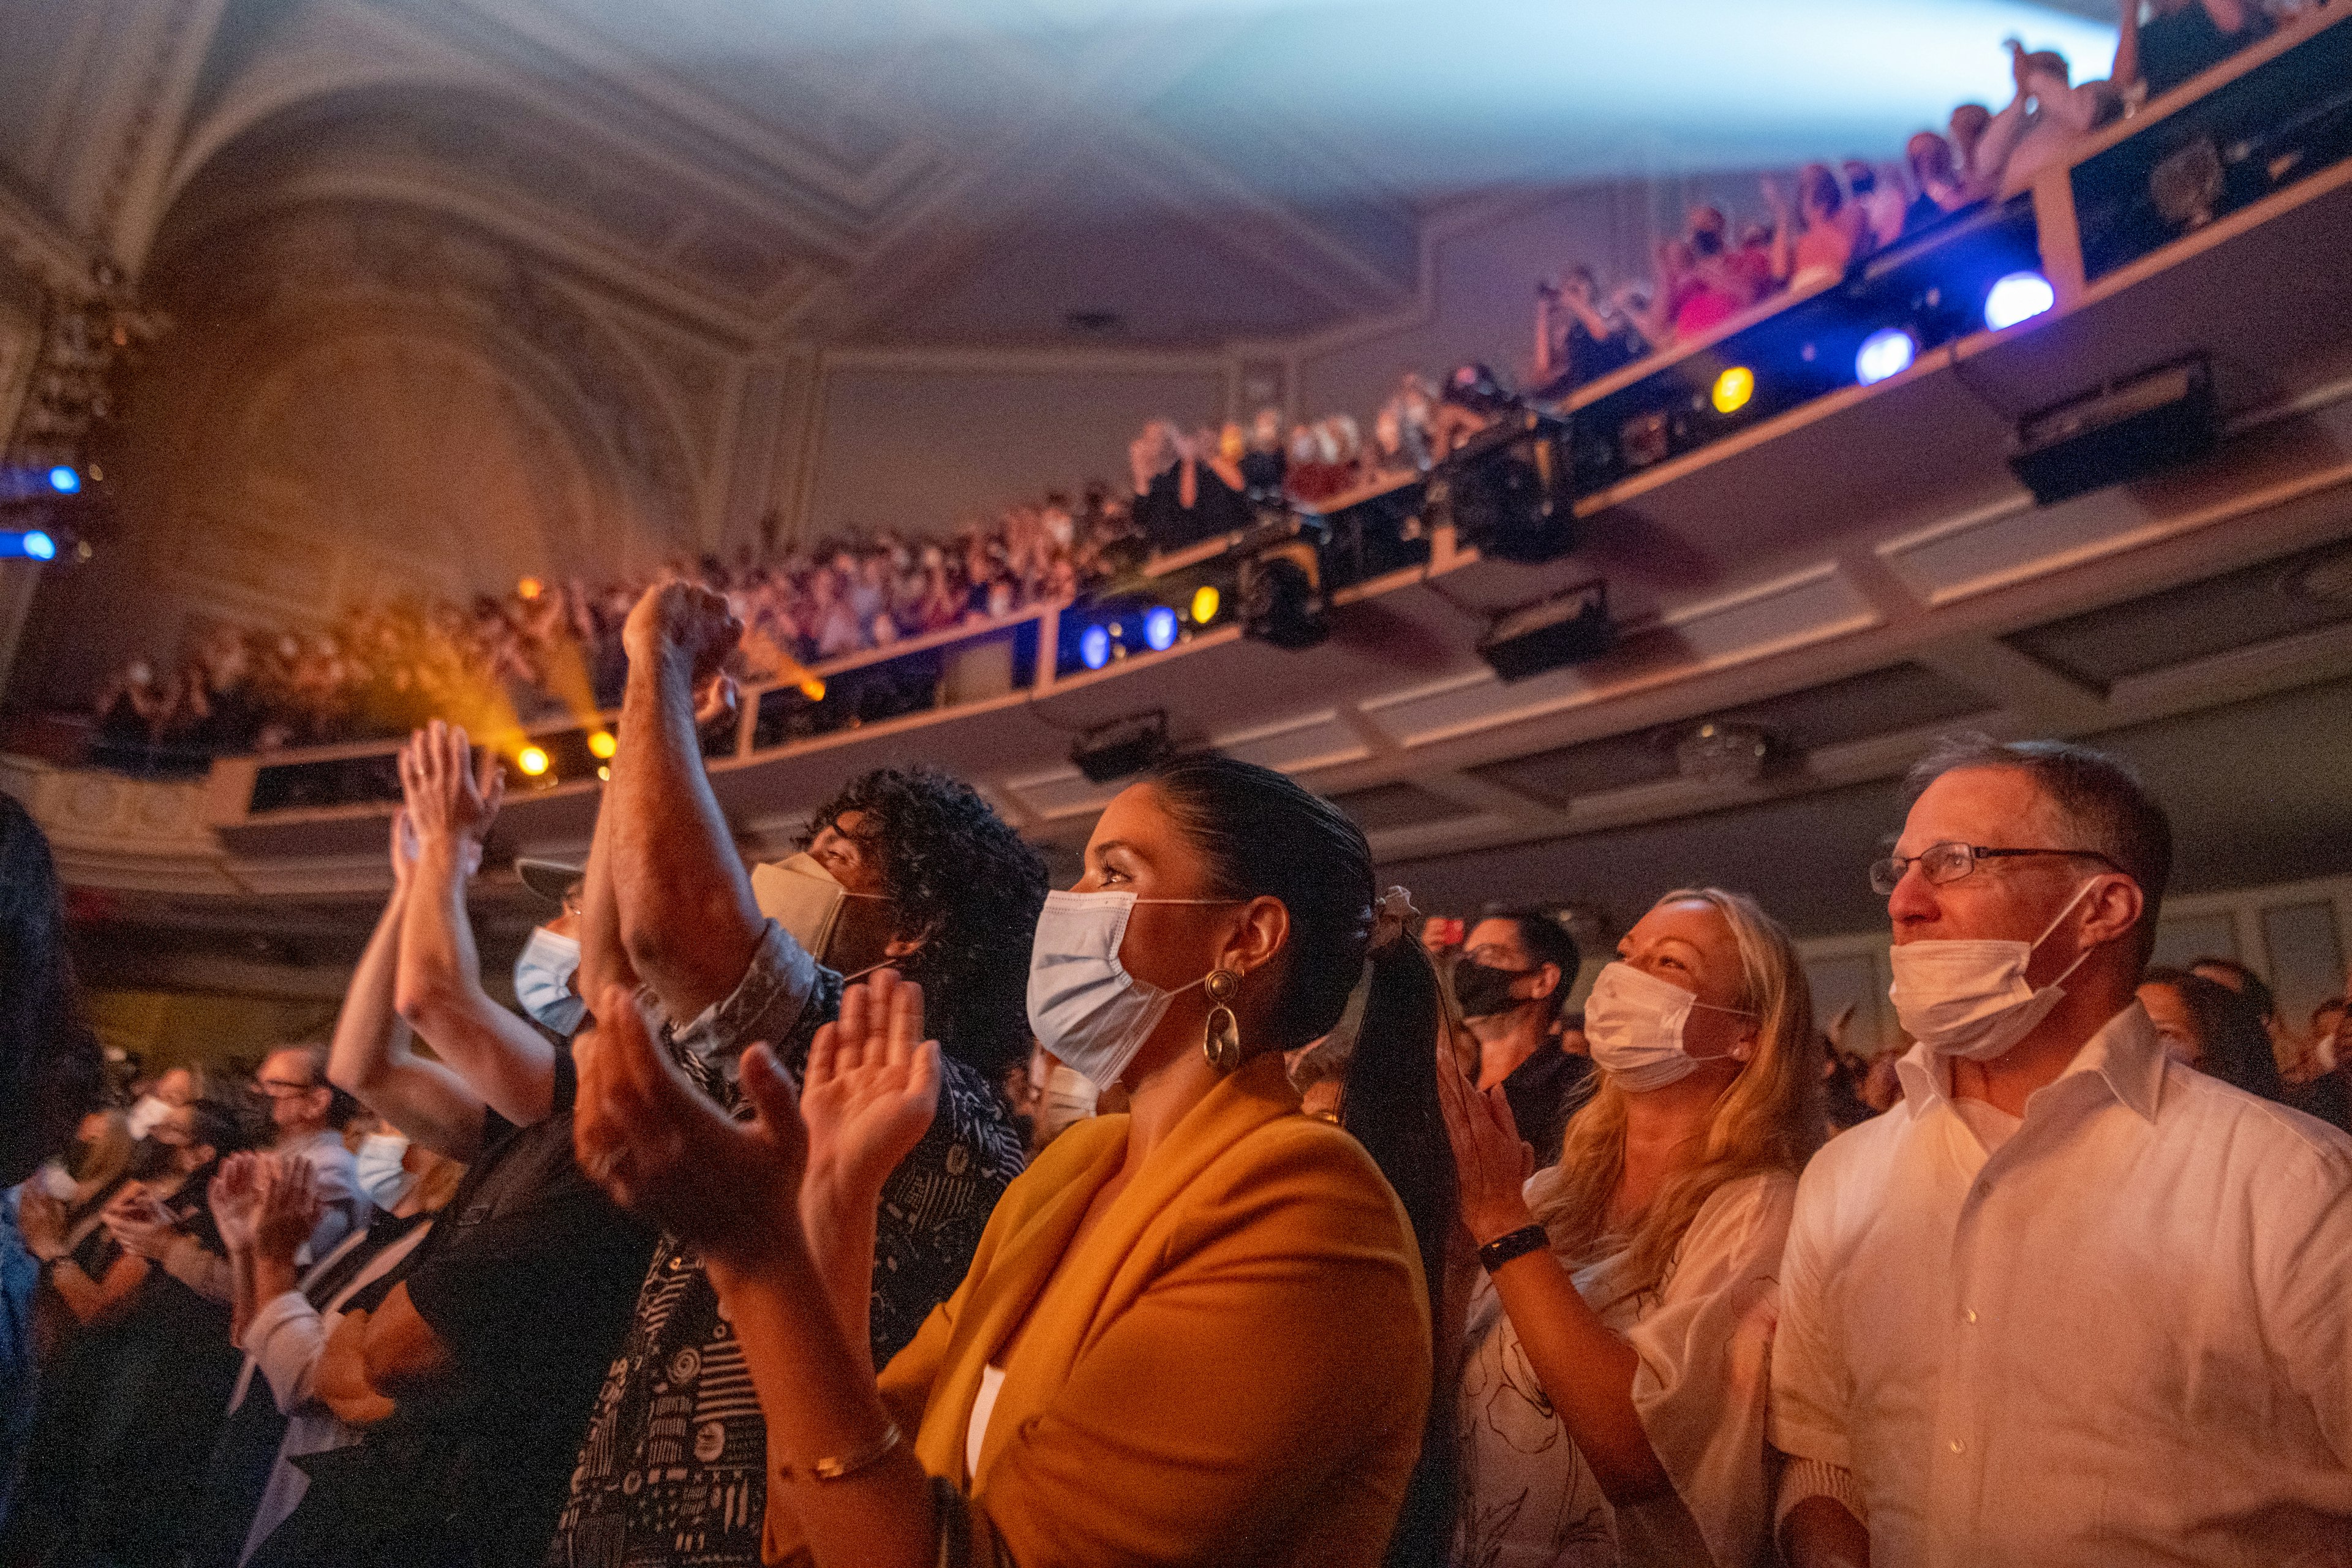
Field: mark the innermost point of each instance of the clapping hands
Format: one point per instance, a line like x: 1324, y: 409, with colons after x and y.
x: 748, y: 1195
x: 870, y: 1092
x: 1490, y: 1162
x: 453, y: 795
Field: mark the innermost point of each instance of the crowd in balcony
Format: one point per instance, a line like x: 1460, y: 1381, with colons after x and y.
x: 1832, y: 217
x: 541, y: 650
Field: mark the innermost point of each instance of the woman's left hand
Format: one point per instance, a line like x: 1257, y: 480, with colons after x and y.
x: 660, y: 1147
x: 869, y: 1095
x: 1490, y: 1162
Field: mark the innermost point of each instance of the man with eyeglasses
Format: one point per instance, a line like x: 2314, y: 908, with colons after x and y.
x: 293, y: 1083
x: 2069, y: 1302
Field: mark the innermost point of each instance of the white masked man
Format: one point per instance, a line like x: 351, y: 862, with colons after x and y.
x: 2070, y: 1302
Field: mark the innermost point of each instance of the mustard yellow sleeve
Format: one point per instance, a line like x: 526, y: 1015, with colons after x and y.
x: 1262, y: 1398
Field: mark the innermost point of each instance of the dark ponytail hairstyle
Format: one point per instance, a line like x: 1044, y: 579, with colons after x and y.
x: 50, y: 1071
x: 1264, y: 836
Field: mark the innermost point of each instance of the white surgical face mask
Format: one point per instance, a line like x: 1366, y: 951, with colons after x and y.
x: 542, y: 980
x: 381, y: 1175
x: 1969, y: 997
x: 1083, y: 1005
x: 1633, y: 1024
x: 800, y: 895
x: 143, y: 1117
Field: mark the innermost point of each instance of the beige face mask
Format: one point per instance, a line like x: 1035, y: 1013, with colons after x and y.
x: 800, y: 895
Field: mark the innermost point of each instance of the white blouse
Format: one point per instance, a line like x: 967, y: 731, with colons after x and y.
x: 1704, y: 1340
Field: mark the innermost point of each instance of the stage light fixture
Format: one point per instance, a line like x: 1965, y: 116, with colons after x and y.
x: 65, y: 480
x: 812, y: 688
x: 2020, y: 297
x: 1160, y: 629
x: 532, y: 760
x: 1567, y: 627
x: 529, y: 588
x: 602, y: 745
x: 1887, y: 352
x: 1206, y: 603
x: 1122, y: 748
x: 1094, y: 648
x: 39, y: 546
x: 1733, y: 389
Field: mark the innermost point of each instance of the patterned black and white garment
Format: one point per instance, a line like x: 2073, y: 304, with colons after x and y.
x: 673, y: 1467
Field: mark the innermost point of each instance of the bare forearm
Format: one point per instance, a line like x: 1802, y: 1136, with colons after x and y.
x: 241, y: 1286
x: 364, y: 1027
x: 501, y: 1058
x: 273, y: 1275
x: 687, y: 919
x: 820, y: 1401
x: 841, y: 1247
x: 603, y: 961
x: 1586, y: 1371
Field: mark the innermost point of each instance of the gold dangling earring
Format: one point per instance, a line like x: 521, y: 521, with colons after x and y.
x: 1221, y: 1042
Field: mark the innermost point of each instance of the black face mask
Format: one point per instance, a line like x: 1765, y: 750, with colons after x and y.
x: 1481, y: 991
x: 149, y: 1160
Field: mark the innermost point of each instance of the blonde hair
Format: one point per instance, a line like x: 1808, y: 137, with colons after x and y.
x: 1769, y: 1119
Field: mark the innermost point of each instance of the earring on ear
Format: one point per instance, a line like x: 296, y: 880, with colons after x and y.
x: 1222, y: 1041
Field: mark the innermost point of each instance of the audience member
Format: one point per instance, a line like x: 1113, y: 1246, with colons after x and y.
x: 266, y: 1209
x: 2041, y: 122
x: 1508, y: 985
x: 1635, y: 1280
x: 1947, y: 1382
x: 1111, y: 1384
x: 1880, y: 200
x: 1943, y: 188
x: 906, y: 869
x: 127, y: 1410
x: 2309, y: 1086
x: 1835, y: 231
x: 2206, y: 1026
x: 1965, y: 131
x: 2179, y: 38
x: 1579, y: 339
x: 469, y: 1370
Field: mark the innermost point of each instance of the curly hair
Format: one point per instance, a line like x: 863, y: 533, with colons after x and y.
x: 951, y: 868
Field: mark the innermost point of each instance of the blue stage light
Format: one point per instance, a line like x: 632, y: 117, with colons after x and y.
x: 2020, y: 297
x: 65, y: 480
x: 1094, y: 648
x: 1887, y: 352
x: 32, y: 545
x: 1160, y: 628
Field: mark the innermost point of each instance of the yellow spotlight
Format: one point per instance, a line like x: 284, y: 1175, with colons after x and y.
x: 531, y: 760
x: 1206, y: 602
x: 1733, y: 388
x: 529, y: 588
x: 812, y: 689
x: 601, y: 745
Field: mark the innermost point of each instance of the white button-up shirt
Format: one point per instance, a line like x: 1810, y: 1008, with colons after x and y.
x: 2125, y: 1337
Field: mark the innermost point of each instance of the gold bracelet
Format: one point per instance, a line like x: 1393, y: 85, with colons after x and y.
x: 840, y: 1468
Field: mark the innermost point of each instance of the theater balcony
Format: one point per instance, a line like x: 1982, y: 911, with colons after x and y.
x: 1807, y: 578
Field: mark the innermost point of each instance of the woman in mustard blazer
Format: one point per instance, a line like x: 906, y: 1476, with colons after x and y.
x: 1196, y: 1333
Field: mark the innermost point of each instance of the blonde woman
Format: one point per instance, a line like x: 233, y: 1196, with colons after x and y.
x: 1613, y: 1388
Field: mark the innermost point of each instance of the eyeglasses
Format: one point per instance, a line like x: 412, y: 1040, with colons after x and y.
x: 279, y: 1088
x: 1941, y: 863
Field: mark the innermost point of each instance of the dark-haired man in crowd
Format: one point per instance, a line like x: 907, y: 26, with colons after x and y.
x: 2069, y: 1302
x: 1515, y: 971
x: 907, y: 869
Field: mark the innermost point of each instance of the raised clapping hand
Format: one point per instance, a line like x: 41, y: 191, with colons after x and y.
x: 869, y: 1095
x: 234, y: 1196
x: 138, y: 1222
x: 405, y: 845
x: 1490, y: 1162
x: 658, y: 1144
x: 452, y: 795
x: 288, y: 1207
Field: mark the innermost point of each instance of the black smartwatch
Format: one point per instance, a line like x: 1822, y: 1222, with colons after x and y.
x: 1515, y: 1244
